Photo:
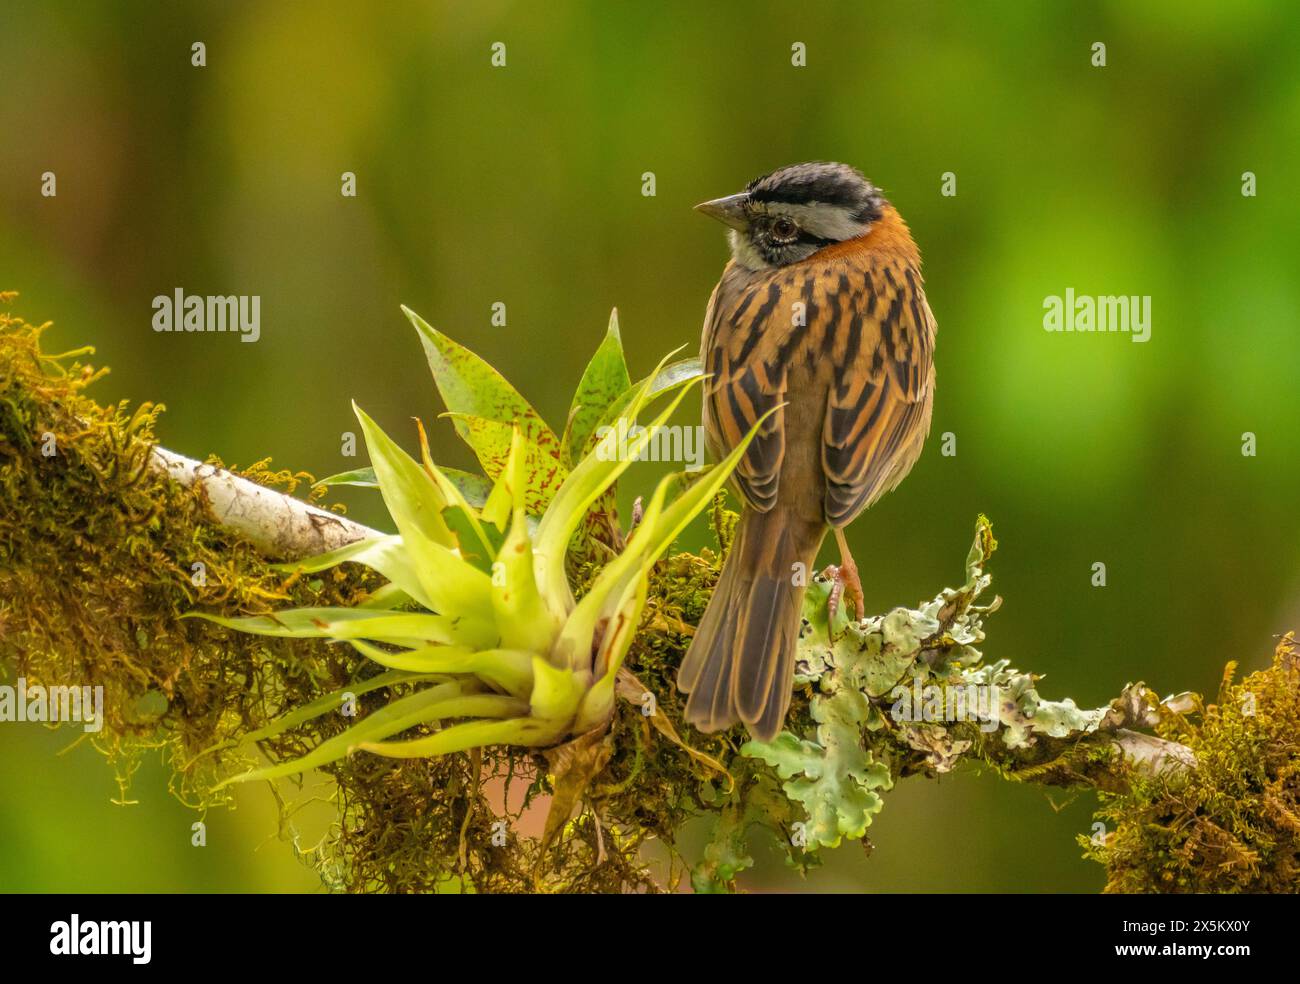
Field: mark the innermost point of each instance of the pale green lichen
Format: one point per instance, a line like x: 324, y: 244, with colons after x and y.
x: 839, y: 771
x: 909, y: 692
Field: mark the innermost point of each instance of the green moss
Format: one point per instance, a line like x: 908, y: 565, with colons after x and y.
x: 98, y: 554
x: 1233, y: 823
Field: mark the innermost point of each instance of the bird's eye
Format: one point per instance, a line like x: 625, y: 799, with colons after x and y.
x: 784, y: 229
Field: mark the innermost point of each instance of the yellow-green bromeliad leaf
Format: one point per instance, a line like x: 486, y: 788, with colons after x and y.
x: 612, y: 456
x: 360, y: 623
x: 667, y: 377
x: 445, y: 700
x: 336, y: 700
x: 474, y: 488
x: 625, y: 578
x: 413, y: 500
x: 477, y: 396
x: 448, y: 581
x: 603, y: 383
x: 491, y: 441
x: 510, y: 670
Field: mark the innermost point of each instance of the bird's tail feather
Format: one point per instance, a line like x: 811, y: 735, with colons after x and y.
x: 740, y: 665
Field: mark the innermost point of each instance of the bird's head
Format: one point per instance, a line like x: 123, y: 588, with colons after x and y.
x: 788, y: 215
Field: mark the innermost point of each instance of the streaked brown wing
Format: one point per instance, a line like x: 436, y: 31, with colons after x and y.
x: 878, y: 413
x: 744, y: 385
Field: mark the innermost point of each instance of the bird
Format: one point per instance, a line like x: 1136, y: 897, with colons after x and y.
x: 820, y: 321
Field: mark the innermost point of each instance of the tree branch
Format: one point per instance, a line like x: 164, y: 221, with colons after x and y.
x: 279, y: 525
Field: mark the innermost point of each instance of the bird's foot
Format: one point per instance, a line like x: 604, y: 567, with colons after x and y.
x: 847, y: 581
x: 832, y: 574
x: 846, y: 577
x: 844, y: 581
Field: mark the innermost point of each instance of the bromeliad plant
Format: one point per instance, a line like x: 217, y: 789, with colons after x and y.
x: 478, y: 609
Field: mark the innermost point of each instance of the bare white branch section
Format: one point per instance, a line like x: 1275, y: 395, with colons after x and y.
x: 1152, y: 755
x: 279, y: 525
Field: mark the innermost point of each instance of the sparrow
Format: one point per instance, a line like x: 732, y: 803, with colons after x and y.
x: 820, y: 317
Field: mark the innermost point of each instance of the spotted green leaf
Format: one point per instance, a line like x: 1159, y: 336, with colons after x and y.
x: 603, y: 382
x: 667, y: 377
x: 491, y: 439
x: 472, y: 388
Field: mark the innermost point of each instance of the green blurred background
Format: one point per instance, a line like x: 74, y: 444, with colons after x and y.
x: 523, y: 184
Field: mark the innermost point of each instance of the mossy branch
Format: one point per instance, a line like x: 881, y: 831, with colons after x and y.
x: 105, y: 540
x: 279, y: 525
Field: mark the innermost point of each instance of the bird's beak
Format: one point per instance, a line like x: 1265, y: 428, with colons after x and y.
x: 729, y: 211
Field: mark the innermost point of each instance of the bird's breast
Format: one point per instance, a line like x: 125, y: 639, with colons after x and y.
x: 795, y: 317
